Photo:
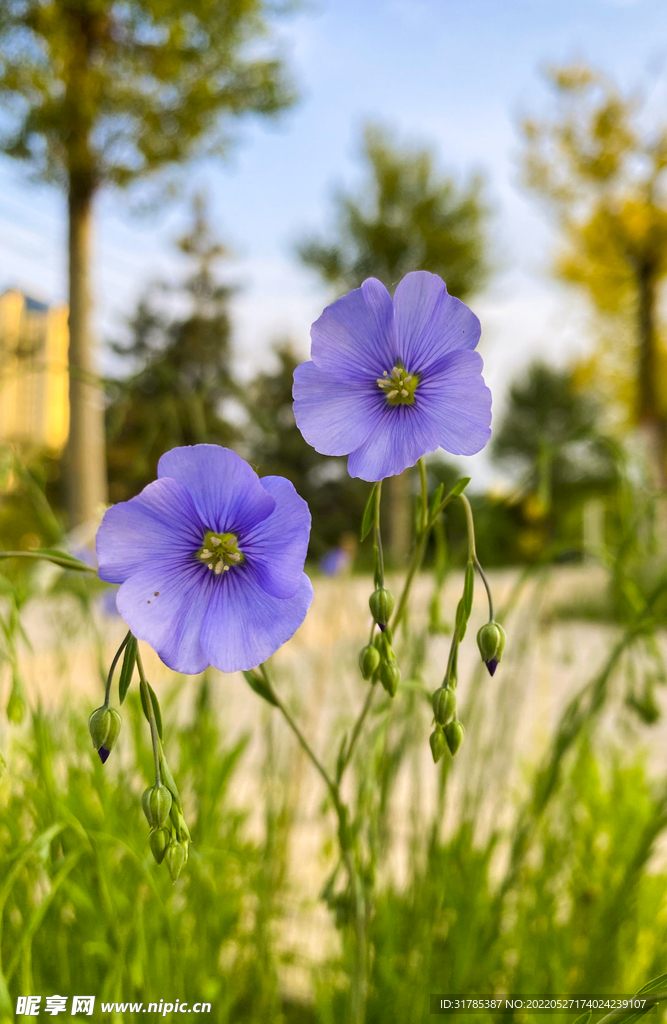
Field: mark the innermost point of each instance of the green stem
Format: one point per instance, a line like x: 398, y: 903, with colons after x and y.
x: 107, y: 692
x: 486, y: 587
x: 358, y: 725
x: 360, y: 988
x: 377, y: 537
x: 470, y: 527
x: 155, y: 739
x: 424, y: 486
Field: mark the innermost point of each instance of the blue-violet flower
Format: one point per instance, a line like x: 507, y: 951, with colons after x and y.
x: 210, y: 558
x: 391, y: 381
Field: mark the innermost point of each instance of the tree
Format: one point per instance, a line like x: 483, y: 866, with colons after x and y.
x: 101, y: 92
x: 181, y: 369
x: 550, y: 437
x: 603, y: 171
x: 408, y: 216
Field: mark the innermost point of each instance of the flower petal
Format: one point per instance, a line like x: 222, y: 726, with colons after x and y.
x: 401, y: 438
x: 224, y: 488
x: 165, y: 605
x: 455, y: 399
x: 429, y: 323
x: 353, y: 338
x: 160, y: 522
x: 334, y: 417
x: 276, y: 548
x: 244, y: 625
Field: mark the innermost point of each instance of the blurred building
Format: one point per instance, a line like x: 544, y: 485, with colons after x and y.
x: 34, y: 395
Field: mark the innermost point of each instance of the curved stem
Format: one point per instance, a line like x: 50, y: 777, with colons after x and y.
x: 470, y: 527
x: 486, y: 587
x: 65, y: 562
x: 377, y: 537
x: 155, y: 739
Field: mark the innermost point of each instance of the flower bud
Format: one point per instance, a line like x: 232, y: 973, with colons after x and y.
x: 175, y: 858
x: 369, y: 660
x: 390, y: 676
x: 381, y: 603
x: 112, y: 735
x: 156, y: 803
x: 438, y: 743
x: 159, y: 841
x: 98, y: 726
x: 491, y: 642
x: 454, y: 733
x: 444, y: 704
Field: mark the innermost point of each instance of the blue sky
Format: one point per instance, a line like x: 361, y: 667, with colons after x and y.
x: 454, y: 74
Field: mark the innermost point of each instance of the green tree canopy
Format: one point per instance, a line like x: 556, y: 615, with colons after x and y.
x: 407, y: 216
x: 104, y: 91
x: 600, y: 161
x: 180, y: 369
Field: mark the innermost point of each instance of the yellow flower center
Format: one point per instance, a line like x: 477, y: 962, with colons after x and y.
x: 399, y: 386
x: 220, y: 552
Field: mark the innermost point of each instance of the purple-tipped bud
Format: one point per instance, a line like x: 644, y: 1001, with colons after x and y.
x: 491, y: 642
x: 381, y: 603
x: 103, y: 754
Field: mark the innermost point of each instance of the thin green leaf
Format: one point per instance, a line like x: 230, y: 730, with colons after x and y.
x: 655, y: 985
x: 583, y: 1018
x: 256, y: 683
x: 459, y: 487
x: 127, y: 671
x: 156, y: 708
x: 60, y: 558
x: 369, y: 514
x: 436, y: 500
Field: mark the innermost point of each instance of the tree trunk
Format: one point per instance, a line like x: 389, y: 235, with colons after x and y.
x: 650, y: 414
x: 85, y: 459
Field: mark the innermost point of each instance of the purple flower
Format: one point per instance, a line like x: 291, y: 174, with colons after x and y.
x: 210, y: 559
x: 391, y: 381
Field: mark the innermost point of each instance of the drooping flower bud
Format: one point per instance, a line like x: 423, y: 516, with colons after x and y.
x: 115, y: 723
x: 159, y: 841
x: 381, y: 603
x: 438, y: 743
x: 156, y: 803
x: 98, y: 726
x: 444, y: 704
x: 175, y: 858
x: 491, y: 642
x: 369, y: 660
x: 454, y: 733
x: 390, y: 676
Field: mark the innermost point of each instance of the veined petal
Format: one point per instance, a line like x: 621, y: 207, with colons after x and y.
x: 165, y: 605
x: 334, y: 417
x: 244, y: 625
x: 429, y: 323
x: 276, y: 548
x: 353, y: 338
x: 401, y: 438
x: 160, y: 522
x: 457, y: 402
x: 225, y: 489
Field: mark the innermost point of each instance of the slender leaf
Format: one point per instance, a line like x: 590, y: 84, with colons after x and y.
x: 60, y: 558
x: 369, y: 514
x: 459, y: 487
x: 256, y: 683
x: 127, y: 671
x: 654, y: 986
x: 156, y: 708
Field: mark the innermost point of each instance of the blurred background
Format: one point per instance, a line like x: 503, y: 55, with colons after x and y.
x: 183, y: 188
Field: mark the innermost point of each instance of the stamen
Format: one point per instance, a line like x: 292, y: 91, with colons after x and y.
x: 399, y: 386
x: 217, y: 568
x: 219, y: 552
x: 215, y: 541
